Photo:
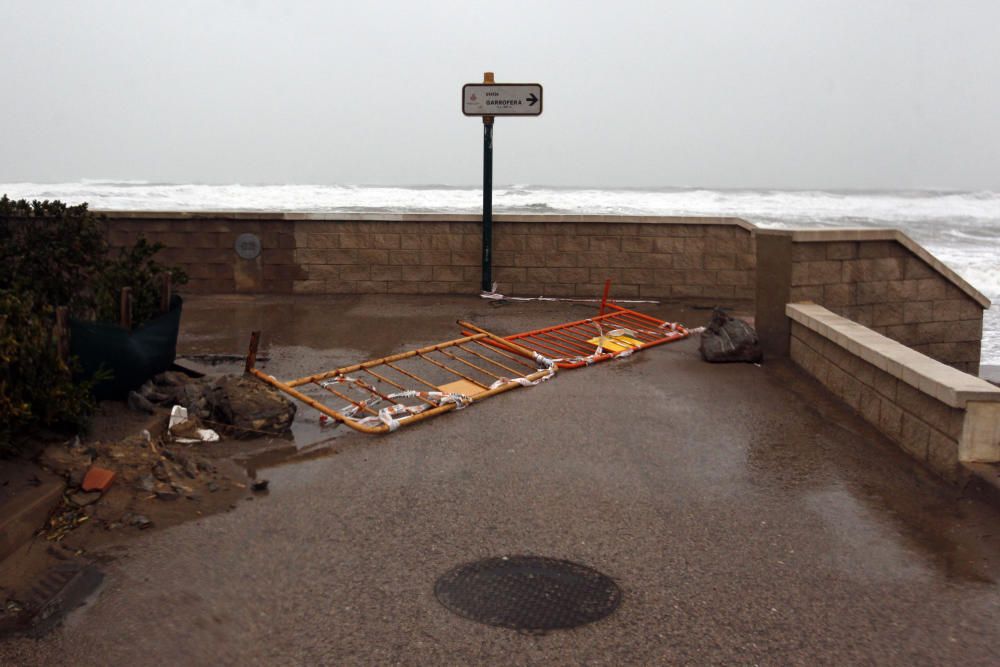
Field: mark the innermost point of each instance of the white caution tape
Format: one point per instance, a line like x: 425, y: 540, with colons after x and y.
x: 495, y: 296
x: 388, y: 414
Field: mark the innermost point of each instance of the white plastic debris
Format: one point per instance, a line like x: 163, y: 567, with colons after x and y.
x: 207, y: 435
x: 179, y: 417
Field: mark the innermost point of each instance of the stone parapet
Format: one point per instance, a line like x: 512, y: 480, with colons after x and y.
x: 938, y: 414
x: 879, y: 278
x: 710, y: 259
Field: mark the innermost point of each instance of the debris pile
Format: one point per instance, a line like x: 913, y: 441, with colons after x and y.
x: 237, y: 406
x: 128, y: 482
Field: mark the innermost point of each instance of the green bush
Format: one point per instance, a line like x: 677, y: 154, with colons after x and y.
x: 54, y: 255
x: 51, y: 251
x: 36, y: 386
x: 60, y: 255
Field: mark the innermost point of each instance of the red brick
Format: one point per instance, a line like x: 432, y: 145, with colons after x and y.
x: 97, y: 479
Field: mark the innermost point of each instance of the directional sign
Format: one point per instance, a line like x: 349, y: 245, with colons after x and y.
x: 502, y: 99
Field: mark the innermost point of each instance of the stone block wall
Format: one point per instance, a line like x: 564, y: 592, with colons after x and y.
x: 706, y: 258
x: 884, y: 285
x: 879, y: 278
x: 936, y: 414
x: 710, y: 259
x: 204, y: 247
x: 374, y: 257
x: 651, y: 259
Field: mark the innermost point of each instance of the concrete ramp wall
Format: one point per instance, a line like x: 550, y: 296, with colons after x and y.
x: 939, y: 415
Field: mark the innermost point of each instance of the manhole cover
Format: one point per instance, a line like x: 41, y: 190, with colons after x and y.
x: 528, y: 593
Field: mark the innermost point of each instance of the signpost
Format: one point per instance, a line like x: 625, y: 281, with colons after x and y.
x: 489, y: 99
x: 502, y: 99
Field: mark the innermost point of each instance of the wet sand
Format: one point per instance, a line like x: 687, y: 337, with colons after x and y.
x: 746, y: 516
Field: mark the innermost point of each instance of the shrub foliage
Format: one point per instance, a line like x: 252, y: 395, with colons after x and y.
x: 54, y: 255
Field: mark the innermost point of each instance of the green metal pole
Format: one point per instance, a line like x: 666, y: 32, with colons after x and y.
x: 487, y: 204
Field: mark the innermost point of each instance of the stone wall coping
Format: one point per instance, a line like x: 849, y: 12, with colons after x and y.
x: 887, y: 234
x: 948, y: 385
x: 424, y: 217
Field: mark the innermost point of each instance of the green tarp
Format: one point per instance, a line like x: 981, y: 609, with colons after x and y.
x: 132, y: 357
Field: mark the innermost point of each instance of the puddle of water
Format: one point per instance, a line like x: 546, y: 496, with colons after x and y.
x: 284, y: 455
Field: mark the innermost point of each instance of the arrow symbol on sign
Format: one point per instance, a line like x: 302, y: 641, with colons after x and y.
x: 532, y: 99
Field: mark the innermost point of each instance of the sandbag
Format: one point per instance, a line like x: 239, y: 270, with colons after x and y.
x: 727, y: 339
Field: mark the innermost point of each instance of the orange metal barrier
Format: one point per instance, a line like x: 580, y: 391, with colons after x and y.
x: 615, y: 332
x: 380, y: 396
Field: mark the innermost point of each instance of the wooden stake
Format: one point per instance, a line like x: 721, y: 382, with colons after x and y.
x: 62, y: 333
x: 126, y: 308
x: 252, y: 352
x: 166, y: 292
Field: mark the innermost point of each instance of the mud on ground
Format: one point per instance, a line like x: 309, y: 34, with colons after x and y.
x: 158, y: 483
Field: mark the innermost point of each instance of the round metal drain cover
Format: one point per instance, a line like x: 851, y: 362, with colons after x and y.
x: 247, y: 246
x: 528, y: 593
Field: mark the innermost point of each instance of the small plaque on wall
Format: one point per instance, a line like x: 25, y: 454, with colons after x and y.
x: 248, y: 246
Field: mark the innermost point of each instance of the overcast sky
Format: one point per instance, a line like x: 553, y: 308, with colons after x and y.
x: 782, y: 93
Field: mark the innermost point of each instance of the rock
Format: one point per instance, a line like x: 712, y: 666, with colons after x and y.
x: 75, y: 477
x: 152, y: 393
x: 259, y: 485
x: 171, y: 379
x: 84, y: 498
x: 139, y: 403
x: 155, y: 394
x: 140, y: 521
x: 252, y: 408
x: 65, y: 461
x: 160, y: 471
x: 729, y: 339
x: 200, y: 408
x: 188, y: 466
x: 212, y: 487
x: 145, y: 483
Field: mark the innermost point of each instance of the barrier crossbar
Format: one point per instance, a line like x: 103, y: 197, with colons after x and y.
x: 380, y: 395
x: 614, y: 333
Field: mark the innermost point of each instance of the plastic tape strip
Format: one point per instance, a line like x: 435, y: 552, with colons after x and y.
x: 495, y: 296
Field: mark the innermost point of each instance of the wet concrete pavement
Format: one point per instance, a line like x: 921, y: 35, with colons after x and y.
x: 747, y: 517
